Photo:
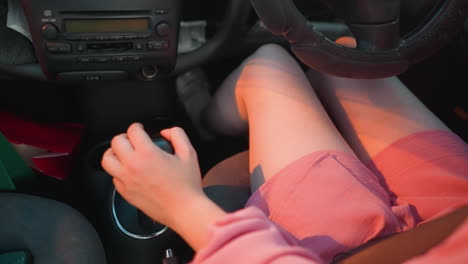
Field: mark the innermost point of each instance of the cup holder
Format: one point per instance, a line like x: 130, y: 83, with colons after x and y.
x: 132, y: 222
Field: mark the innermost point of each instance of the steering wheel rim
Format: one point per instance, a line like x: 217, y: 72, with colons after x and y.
x: 282, y: 17
x: 232, y: 28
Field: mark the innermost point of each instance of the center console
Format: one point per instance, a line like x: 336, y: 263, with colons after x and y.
x: 105, y: 39
x: 127, y: 234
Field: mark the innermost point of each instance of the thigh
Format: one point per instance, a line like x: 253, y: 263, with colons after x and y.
x: 418, y: 159
x: 286, y: 119
x: 373, y: 114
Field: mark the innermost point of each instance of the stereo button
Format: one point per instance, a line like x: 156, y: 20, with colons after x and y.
x: 119, y: 58
x: 130, y: 37
x: 58, y: 47
x: 102, y: 59
x: 138, y: 46
x: 163, y: 29
x: 143, y: 36
x: 84, y: 59
x: 105, y: 38
x: 80, y: 47
x: 161, y: 11
x: 134, y: 58
x: 157, y: 45
x: 116, y: 37
x: 88, y: 38
x: 49, y: 31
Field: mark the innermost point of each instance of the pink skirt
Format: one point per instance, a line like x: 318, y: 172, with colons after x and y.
x: 332, y: 202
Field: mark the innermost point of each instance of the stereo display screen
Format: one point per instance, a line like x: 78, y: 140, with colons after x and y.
x: 106, y: 25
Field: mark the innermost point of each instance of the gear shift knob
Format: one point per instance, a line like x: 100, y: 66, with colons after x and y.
x: 163, y: 144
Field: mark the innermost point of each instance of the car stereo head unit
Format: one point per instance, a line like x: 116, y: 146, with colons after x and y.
x: 105, y: 39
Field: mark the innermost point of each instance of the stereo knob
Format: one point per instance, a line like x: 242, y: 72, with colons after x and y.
x: 49, y: 31
x: 149, y: 72
x: 163, y: 29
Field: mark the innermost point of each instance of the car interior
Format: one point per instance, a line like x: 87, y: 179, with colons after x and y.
x: 103, y: 65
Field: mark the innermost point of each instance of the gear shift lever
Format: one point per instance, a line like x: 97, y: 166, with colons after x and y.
x: 129, y: 219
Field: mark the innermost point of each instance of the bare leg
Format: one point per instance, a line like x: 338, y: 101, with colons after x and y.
x: 372, y: 114
x: 426, y: 172
x: 286, y: 121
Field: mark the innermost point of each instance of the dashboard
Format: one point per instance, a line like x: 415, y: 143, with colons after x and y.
x: 117, y: 39
x: 92, y: 40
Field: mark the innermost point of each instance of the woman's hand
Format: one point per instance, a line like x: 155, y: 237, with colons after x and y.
x: 158, y: 183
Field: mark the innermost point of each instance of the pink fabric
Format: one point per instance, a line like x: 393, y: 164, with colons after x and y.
x: 428, y: 170
x: 248, y: 236
x: 329, y: 203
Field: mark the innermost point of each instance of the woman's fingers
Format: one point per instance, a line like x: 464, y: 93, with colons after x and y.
x: 181, y: 143
x: 121, y: 147
x: 138, y: 137
x: 110, y: 163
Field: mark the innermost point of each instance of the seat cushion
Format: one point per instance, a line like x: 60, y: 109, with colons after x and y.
x: 16, y: 257
x: 53, y: 232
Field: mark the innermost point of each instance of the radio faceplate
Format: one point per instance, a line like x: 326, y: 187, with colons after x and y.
x: 105, y: 39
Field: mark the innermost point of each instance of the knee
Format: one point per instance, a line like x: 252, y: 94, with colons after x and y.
x: 270, y: 68
x: 271, y: 52
x: 267, y: 62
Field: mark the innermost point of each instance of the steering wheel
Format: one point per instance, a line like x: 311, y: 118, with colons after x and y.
x: 232, y: 28
x: 380, y: 52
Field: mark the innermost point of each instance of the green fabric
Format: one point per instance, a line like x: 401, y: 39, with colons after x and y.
x: 6, y: 184
x: 19, y: 257
x: 13, y: 170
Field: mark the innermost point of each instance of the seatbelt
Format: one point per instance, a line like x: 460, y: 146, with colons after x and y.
x: 407, y: 244
x: 13, y: 170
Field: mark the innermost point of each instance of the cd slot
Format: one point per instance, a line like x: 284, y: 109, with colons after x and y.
x: 109, y: 47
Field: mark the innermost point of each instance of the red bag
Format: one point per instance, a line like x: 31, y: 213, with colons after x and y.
x: 57, y: 143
